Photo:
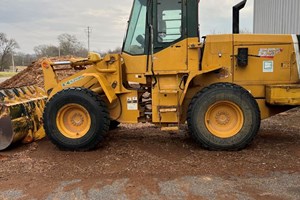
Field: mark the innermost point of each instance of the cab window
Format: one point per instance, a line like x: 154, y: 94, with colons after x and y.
x: 169, y: 20
x: 135, y: 39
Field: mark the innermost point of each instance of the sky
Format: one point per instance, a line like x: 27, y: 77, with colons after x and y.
x: 35, y: 22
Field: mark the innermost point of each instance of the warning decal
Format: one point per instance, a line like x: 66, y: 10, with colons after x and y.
x: 269, y: 52
x: 268, y: 66
x: 132, y: 103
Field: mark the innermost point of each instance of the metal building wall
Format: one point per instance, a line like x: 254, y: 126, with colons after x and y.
x: 277, y: 16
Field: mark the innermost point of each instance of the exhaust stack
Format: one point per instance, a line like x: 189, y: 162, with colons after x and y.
x: 236, y: 16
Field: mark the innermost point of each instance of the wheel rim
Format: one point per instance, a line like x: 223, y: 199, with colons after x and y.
x: 224, y: 119
x: 73, y: 121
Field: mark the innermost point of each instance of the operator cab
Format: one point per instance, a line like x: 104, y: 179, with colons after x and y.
x: 166, y: 26
x: 158, y: 30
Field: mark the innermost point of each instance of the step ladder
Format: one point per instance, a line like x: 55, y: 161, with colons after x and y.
x: 173, y: 108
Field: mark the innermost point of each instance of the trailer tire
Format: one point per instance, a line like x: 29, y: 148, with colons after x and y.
x: 76, y: 119
x: 223, y: 116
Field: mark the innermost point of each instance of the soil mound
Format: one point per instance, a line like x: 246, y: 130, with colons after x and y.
x: 33, y: 74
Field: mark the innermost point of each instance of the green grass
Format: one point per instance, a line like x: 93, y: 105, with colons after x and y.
x: 7, y: 74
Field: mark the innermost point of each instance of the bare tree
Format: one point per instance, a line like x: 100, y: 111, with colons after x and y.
x: 22, y: 59
x: 46, y: 51
x: 117, y: 50
x: 69, y: 45
x: 7, y: 46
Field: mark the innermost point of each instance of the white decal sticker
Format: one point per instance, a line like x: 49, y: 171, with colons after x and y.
x: 132, y: 103
x: 269, y: 52
x: 268, y: 66
x: 69, y: 82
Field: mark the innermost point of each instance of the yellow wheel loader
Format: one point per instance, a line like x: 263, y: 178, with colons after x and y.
x: 220, y: 85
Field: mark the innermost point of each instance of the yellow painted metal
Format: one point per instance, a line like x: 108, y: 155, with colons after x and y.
x: 218, y: 52
x: 21, y: 112
x: 179, y: 74
x: 173, y: 58
x: 94, y: 57
x: 73, y: 121
x: 124, y: 109
x: 165, y: 97
x: 267, y: 110
x: 108, y: 90
x: 51, y: 81
x: 103, y: 75
x: 224, y: 119
x: 167, y: 109
x: 276, y: 50
x: 135, y: 68
x: 193, y: 54
x: 171, y: 128
x: 288, y: 94
x: 221, y: 51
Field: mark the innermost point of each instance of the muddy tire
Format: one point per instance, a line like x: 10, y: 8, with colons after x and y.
x: 76, y: 119
x: 223, y: 116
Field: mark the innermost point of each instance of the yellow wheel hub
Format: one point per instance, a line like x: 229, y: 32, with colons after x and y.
x: 73, y: 121
x: 224, y: 119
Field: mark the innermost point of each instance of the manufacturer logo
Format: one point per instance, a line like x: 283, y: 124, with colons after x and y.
x: 72, y: 81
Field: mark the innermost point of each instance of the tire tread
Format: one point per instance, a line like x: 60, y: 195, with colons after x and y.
x: 96, y: 98
x: 193, y: 133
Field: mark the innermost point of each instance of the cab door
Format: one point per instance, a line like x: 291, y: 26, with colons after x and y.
x: 169, y: 40
x: 135, y: 47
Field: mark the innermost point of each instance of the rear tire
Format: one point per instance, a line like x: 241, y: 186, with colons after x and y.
x: 76, y: 119
x: 223, y: 116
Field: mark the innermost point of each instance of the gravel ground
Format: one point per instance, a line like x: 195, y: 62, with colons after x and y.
x: 142, y: 162
x: 276, y: 186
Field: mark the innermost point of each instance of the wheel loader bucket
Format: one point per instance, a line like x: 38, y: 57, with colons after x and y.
x: 21, y: 112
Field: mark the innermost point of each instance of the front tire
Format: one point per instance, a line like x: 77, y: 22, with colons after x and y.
x: 223, y: 116
x: 76, y: 119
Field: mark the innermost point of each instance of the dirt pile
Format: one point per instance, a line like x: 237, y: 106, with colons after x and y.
x: 33, y: 74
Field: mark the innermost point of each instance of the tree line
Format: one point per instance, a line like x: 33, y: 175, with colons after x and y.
x: 67, y: 45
